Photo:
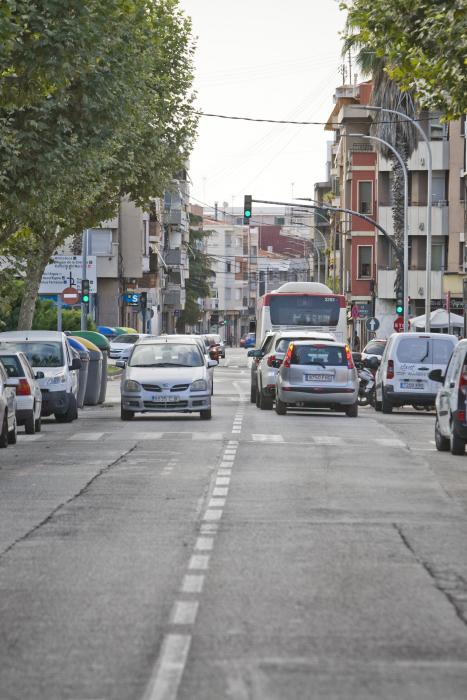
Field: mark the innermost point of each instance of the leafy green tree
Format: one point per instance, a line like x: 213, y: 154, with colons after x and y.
x: 197, y: 286
x: 423, y: 45
x: 45, y: 317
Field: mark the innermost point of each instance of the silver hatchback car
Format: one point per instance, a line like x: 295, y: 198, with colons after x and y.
x: 165, y: 375
x: 317, y: 374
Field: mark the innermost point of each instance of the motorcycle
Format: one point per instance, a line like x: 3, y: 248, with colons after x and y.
x: 366, y: 387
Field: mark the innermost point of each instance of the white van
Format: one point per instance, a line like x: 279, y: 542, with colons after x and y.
x: 50, y: 353
x: 402, y: 378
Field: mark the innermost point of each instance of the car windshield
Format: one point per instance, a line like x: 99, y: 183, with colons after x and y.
x: 40, y: 353
x: 283, y: 343
x: 374, y: 348
x: 12, y: 365
x: 166, y: 355
x: 323, y: 355
x: 126, y: 339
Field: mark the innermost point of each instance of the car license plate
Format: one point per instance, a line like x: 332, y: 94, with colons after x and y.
x: 318, y: 377
x: 413, y: 386
x: 158, y: 398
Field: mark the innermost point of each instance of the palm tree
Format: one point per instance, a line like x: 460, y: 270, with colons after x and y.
x: 391, y: 128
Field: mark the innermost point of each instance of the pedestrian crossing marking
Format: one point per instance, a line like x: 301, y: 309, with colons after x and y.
x: 258, y: 437
x: 207, y: 436
x: 88, y: 437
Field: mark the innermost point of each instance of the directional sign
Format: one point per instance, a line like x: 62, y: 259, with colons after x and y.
x: 372, y: 324
x: 70, y: 296
x: 399, y: 324
x: 57, y: 274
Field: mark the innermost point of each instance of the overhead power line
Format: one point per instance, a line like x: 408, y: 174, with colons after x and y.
x: 287, y: 121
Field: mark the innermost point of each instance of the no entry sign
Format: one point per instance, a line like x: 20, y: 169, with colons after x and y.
x: 70, y: 296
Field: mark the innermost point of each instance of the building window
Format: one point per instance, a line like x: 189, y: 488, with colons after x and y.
x: 228, y: 267
x: 279, y: 220
x: 364, y: 261
x: 228, y: 240
x: 365, y: 197
x: 100, y: 242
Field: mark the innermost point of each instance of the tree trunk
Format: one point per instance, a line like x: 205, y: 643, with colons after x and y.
x: 34, y: 271
x: 398, y: 204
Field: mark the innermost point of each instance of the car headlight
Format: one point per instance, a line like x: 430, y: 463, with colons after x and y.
x: 199, y: 385
x: 131, y: 386
x: 58, y: 379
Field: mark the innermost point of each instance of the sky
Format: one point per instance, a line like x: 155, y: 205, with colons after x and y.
x: 265, y: 59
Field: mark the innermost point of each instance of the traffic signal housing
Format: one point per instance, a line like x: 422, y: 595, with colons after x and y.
x: 247, y: 202
x: 85, y: 292
x: 143, y: 300
x: 399, y: 302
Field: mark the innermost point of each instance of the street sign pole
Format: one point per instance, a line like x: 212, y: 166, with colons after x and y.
x: 84, y: 254
x: 59, y: 313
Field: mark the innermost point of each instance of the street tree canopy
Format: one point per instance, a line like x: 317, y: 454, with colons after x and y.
x: 423, y: 44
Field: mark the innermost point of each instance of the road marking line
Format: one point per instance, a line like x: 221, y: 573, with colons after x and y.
x: 326, y: 440
x: 216, y: 503
x: 207, y: 436
x: 223, y: 481
x: 148, y: 436
x: 233, y: 442
x: 86, y: 436
x: 30, y: 438
x: 209, y: 528
x: 258, y: 437
x: 193, y: 583
x: 229, y: 458
x: 390, y: 442
x: 213, y: 514
x: 184, y: 612
x: 199, y: 561
x: 236, y: 431
x: 220, y: 491
x: 204, y: 543
x: 224, y: 472
x: 169, y: 668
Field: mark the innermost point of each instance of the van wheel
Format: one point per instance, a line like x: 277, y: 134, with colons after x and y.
x: 457, y: 445
x: 441, y: 442
x: 126, y: 415
x: 30, y: 424
x: 385, y: 405
x: 4, y: 433
x: 252, y: 394
x: 265, y: 402
x: 206, y: 414
x: 38, y: 425
x: 12, y: 435
x: 352, y: 411
x: 71, y: 412
x: 257, y: 395
x: 281, y: 407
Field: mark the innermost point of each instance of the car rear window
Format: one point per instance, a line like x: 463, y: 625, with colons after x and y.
x: 442, y: 351
x: 12, y: 366
x: 321, y: 355
x: 126, y: 339
x: 40, y: 353
x: 374, y: 348
x: 419, y: 349
x: 283, y: 343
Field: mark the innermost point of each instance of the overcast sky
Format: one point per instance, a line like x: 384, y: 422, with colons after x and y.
x: 263, y: 58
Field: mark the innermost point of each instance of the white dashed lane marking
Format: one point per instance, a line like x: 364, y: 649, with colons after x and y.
x: 257, y: 437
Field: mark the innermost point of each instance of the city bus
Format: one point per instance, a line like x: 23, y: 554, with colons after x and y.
x: 302, y: 306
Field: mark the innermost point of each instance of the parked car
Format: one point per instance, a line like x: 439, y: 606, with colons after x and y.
x: 28, y: 391
x: 451, y: 423
x: 403, y: 375
x: 317, y: 374
x: 248, y: 340
x: 7, y: 408
x: 374, y: 348
x: 122, y: 345
x: 49, y: 353
x: 165, y: 375
x: 271, y: 353
x: 205, y: 348
x: 257, y: 354
x: 219, y: 344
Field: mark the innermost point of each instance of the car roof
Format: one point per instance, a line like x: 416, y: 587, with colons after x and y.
x: 306, y: 334
x: 32, y: 335
x: 164, y: 340
x: 323, y: 341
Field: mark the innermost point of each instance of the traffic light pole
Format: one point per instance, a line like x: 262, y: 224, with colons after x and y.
x: 84, y: 257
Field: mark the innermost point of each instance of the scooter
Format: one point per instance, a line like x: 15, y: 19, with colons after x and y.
x: 366, y: 387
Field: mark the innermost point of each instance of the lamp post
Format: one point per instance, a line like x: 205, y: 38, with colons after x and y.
x: 429, y: 203
x: 405, y: 272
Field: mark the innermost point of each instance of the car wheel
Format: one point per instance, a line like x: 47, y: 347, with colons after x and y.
x: 441, y: 442
x: 385, y: 405
x: 4, y: 433
x: 352, y: 411
x: 38, y: 425
x: 212, y: 389
x: 12, y: 435
x: 206, y: 414
x: 281, y: 407
x: 30, y: 424
x: 71, y: 412
x: 126, y: 415
x: 265, y: 402
x: 258, y: 392
x: 252, y: 394
x: 457, y: 445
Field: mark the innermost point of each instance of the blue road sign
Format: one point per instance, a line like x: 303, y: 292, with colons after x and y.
x: 372, y: 324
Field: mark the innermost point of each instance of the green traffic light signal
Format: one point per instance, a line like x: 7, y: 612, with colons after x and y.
x: 247, y: 206
x: 85, y: 298
x: 247, y: 214
x: 399, y: 309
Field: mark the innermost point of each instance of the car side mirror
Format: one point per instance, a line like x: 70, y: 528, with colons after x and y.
x: 120, y: 363
x: 12, y: 381
x: 75, y: 363
x: 39, y: 375
x: 211, y: 363
x: 255, y: 353
x: 277, y: 363
x: 436, y: 375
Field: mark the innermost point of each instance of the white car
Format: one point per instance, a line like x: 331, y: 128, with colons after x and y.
x: 403, y: 375
x: 122, y: 345
x: 451, y: 418
x: 7, y: 408
x: 28, y: 391
x: 269, y: 358
x: 50, y: 353
x: 166, y: 376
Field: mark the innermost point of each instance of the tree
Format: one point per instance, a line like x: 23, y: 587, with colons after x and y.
x: 423, y: 45
x: 116, y: 120
x: 197, y: 285
x: 397, y: 131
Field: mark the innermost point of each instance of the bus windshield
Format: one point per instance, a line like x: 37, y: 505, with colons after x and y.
x: 304, y: 310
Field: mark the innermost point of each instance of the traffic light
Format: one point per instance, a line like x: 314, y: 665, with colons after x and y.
x: 399, y: 302
x: 247, y: 208
x: 143, y: 300
x: 85, y: 291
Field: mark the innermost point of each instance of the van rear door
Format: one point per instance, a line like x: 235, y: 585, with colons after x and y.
x: 416, y: 356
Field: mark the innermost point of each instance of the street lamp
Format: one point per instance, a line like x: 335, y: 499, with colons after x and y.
x: 406, y: 222
x: 429, y: 203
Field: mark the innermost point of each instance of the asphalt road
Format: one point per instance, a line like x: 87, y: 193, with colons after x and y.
x: 252, y: 556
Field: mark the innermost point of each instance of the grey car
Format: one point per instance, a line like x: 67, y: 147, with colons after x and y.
x: 166, y: 376
x: 317, y: 374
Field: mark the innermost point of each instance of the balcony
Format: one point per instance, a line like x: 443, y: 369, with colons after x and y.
x: 176, y: 217
x: 175, y: 257
x: 418, y: 220
x: 417, y: 278
x: 211, y: 304
x: 419, y: 158
x: 175, y: 297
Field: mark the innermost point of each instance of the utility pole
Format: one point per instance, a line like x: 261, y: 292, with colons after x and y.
x: 84, y: 258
